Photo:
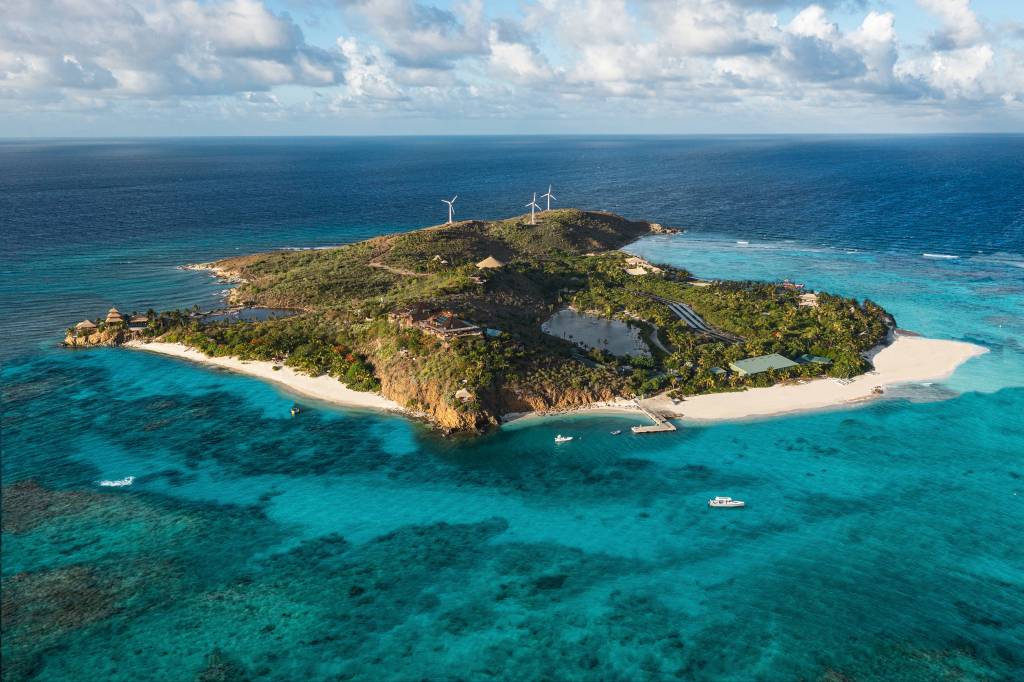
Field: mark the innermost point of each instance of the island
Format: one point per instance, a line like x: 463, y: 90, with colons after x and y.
x: 470, y: 323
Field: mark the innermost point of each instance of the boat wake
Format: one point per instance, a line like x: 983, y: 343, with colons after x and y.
x: 939, y: 256
x: 119, y: 483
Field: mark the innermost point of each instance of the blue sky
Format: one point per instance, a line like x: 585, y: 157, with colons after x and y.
x: 351, y: 67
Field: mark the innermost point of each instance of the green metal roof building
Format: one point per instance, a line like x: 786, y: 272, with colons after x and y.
x: 762, y: 363
x: 819, y: 359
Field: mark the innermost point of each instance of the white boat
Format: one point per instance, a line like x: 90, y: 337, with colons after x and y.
x: 119, y: 483
x: 616, y: 432
x: 562, y: 439
x: 726, y: 502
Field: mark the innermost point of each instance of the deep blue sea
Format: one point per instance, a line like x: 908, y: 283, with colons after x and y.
x: 884, y: 542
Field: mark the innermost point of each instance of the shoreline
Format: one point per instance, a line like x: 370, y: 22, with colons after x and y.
x: 910, y: 358
x: 323, y: 387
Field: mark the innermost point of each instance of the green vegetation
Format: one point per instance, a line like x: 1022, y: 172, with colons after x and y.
x: 344, y: 298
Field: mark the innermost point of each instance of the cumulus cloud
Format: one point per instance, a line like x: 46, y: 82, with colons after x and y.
x: 154, y: 48
x: 422, y: 35
x: 467, y: 59
x: 960, y: 26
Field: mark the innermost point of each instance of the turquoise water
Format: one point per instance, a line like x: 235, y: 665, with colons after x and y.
x: 881, y: 542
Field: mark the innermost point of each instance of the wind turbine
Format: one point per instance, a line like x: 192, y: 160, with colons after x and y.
x: 451, y: 207
x: 533, y: 207
x: 549, y: 195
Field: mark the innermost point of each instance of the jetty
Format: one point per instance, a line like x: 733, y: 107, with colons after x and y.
x: 660, y: 423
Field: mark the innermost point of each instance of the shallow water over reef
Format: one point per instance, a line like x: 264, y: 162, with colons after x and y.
x: 878, y: 543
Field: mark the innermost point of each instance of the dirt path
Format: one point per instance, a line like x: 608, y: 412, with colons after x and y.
x: 397, y: 271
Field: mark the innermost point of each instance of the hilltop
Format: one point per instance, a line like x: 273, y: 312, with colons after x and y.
x: 468, y: 321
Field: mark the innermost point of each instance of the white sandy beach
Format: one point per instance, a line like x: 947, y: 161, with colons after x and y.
x: 908, y: 359
x: 324, y: 387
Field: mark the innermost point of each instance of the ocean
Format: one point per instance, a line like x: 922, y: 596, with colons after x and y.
x: 879, y: 543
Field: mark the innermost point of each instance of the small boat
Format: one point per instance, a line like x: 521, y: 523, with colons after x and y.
x: 295, y: 410
x: 562, y: 439
x: 726, y: 502
x: 616, y: 432
x: 119, y: 483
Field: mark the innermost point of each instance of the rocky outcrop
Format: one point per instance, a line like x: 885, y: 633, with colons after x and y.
x: 549, y: 398
x: 433, y: 400
x: 102, y: 337
x: 658, y: 228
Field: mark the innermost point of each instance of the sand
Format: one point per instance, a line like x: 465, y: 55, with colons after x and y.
x: 323, y: 387
x: 908, y: 359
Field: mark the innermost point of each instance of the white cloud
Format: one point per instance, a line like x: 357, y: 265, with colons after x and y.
x: 421, y: 35
x: 960, y: 26
x: 551, y: 58
x: 154, y: 48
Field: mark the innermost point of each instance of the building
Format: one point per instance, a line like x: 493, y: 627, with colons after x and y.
x: 489, y: 263
x: 639, y: 266
x: 138, y: 323
x: 808, y: 300
x: 445, y: 325
x: 819, y: 359
x: 114, y: 317
x: 417, y: 312
x: 792, y: 286
x: 761, y: 363
x: 85, y: 327
x: 463, y: 395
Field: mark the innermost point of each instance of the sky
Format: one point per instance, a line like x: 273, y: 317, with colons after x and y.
x: 111, y: 68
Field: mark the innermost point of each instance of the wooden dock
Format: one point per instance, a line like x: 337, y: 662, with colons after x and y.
x: 660, y: 423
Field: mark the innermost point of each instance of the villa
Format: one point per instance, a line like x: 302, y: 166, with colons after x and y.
x: 638, y: 266
x: 114, y: 317
x: 761, y: 363
x: 808, y: 300
x: 138, y: 322
x: 817, y: 359
x: 489, y: 263
x: 85, y: 327
x: 445, y: 325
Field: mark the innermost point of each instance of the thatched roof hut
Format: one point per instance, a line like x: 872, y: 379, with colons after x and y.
x: 86, y: 326
x: 114, y: 316
x: 463, y: 395
x: 489, y: 262
x: 140, y: 319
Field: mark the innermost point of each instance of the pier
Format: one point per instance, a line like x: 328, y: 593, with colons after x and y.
x: 660, y: 423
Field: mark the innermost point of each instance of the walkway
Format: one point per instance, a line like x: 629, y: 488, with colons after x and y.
x: 660, y: 423
x: 691, y: 318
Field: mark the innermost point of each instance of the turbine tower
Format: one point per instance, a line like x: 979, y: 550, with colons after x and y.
x: 451, y: 207
x: 549, y: 196
x: 533, y: 207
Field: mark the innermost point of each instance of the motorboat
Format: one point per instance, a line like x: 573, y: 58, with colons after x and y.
x: 119, y: 483
x: 725, y: 502
x: 616, y: 432
x: 562, y: 439
x: 295, y: 410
